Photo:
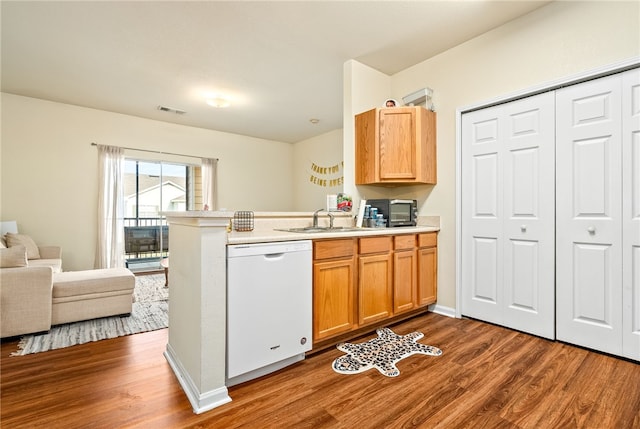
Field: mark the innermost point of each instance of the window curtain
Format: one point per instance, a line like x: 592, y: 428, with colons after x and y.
x: 110, y: 246
x: 209, y: 184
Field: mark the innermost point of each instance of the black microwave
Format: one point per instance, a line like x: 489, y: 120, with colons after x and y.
x: 397, y: 212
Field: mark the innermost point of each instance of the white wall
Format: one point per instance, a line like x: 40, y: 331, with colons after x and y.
x: 312, y: 185
x: 48, y: 176
x: 364, y: 89
x: 49, y: 169
x: 555, y: 41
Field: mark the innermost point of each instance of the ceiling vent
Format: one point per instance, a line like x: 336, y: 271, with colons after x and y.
x: 172, y: 110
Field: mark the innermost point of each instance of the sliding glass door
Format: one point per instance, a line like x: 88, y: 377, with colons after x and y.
x: 150, y: 189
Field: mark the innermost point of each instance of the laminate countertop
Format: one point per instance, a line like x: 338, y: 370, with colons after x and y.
x: 268, y: 226
x: 266, y: 235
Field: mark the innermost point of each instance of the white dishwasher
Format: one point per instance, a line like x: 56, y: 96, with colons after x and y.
x: 269, y: 307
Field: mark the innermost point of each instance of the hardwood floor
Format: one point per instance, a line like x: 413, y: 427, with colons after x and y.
x: 487, y: 377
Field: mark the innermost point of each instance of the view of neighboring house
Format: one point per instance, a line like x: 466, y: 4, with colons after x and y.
x: 149, y: 201
x: 151, y: 188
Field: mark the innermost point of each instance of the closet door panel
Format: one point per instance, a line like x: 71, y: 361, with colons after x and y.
x: 508, y: 214
x: 631, y: 213
x: 485, y: 271
x: 482, y: 213
x: 588, y: 189
x: 529, y: 209
x: 522, y: 294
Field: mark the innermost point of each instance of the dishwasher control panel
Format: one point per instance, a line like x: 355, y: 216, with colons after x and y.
x: 268, y: 248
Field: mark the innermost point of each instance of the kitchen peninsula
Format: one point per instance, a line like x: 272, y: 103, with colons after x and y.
x: 196, y: 350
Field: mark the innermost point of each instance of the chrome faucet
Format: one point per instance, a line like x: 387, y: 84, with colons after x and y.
x: 315, y: 217
x: 330, y: 219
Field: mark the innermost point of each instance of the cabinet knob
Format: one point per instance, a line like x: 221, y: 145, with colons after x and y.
x: 523, y: 228
x: 592, y: 230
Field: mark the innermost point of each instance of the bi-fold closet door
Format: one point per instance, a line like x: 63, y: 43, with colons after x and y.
x: 507, y: 213
x: 631, y: 214
x: 598, y: 214
x: 587, y: 291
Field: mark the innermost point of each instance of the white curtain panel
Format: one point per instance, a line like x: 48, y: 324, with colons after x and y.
x: 210, y: 183
x: 110, y: 246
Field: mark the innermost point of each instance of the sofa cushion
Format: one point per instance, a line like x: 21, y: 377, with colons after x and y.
x: 72, y: 283
x: 13, y: 257
x: 55, y: 264
x: 23, y: 240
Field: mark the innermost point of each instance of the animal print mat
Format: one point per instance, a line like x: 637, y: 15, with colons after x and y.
x: 381, y: 353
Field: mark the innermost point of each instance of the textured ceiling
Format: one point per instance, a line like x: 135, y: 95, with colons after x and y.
x: 280, y: 62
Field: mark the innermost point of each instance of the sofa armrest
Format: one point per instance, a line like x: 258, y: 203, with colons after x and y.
x: 50, y: 252
x: 25, y: 300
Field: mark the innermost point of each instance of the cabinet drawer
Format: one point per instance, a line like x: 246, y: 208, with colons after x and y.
x: 429, y: 239
x: 375, y: 244
x: 404, y: 242
x: 328, y: 249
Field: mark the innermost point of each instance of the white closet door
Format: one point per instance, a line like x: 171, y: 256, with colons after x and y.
x: 482, y: 218
x: 508, y: 215
x: 588, y: 219
x: 529, y: 215
x: 631, y: 213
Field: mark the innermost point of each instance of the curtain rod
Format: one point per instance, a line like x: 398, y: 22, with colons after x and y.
x: 158, y: 152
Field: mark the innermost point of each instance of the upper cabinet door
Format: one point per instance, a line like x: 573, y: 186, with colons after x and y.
x: 396, y: 146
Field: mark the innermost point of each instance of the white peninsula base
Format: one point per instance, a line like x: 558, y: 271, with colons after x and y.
x: 196, y: 350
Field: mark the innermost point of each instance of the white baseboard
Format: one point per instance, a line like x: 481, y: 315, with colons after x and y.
x: 445, y: 311
x: 200, y: 402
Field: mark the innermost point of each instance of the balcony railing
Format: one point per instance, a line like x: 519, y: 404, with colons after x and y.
x: 146, y: 241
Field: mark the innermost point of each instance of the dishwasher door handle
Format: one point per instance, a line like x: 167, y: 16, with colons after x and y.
x: 274, y: 256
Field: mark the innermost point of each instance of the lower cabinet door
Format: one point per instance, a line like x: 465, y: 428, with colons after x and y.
x: 333, y: 298
x: 427, y: 275
x: 374, y: 288
x: 404, y: 280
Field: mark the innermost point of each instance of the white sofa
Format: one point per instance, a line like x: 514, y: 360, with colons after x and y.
x: 35, y: 294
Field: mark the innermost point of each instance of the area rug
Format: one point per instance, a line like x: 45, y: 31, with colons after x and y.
x: 150, y: 288
x: 150, y: 312
x: 381, y: 353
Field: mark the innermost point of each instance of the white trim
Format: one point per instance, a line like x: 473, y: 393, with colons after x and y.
x: 200, y: 402
x: 605, y: 70
x: 442, y: 310
x: 458, y: 213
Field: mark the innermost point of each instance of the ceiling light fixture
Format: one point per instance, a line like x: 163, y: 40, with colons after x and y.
x: 218, y: 102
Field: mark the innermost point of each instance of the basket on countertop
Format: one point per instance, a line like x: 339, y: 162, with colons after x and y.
x: 243, y: 221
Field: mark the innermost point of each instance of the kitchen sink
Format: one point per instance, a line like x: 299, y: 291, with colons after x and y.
x: 318, y: 229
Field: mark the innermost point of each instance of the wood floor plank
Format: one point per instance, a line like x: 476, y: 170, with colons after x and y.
x: 487, y: 376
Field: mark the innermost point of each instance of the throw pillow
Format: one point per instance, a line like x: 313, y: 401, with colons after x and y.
x: 23, y: 240
x: 13, y: 257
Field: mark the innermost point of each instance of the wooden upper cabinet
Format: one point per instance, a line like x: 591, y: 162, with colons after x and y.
x: 396, y: 146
